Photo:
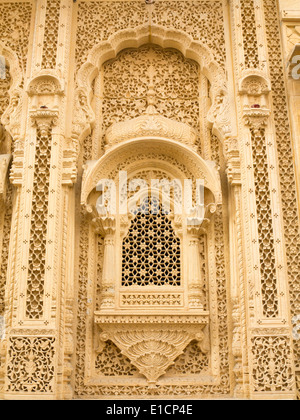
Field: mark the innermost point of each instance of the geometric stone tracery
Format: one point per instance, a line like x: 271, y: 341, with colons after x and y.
x: 151, y: 252
x: 286, y: 168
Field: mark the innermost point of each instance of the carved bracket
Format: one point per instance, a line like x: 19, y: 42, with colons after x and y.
x: 44, y: 91
x: 44, y: 119
x: 254, y: 88
x: 219, y: 116
x: 11, y: 118
x: 69, y: 174
x: 84, y: 117
x: 256, y: 119
x: 153, y: 342
x: 233, y: 160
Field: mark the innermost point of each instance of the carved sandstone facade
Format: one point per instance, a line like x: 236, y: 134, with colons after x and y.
x: 97, y: 303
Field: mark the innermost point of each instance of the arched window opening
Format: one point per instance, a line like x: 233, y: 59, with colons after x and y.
x: 151, y: 254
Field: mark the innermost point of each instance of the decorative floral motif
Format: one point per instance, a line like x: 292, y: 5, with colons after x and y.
x: 152, y: 299
x: 152, y: 344
x: 111, y: 362
x: 4, y: 88
x: 98, y: 20
x: 175, y: 83
x: 192, y: 362
x: 15, y: 21
x: 272, y: 370
x: 203, y: 20
x: 31, y: 365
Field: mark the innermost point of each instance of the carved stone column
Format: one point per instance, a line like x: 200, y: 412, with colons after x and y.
x: 195, y: 281
x: 270, y: 353
x: 39, y: 300
x: 30, y: 330
x: 108, y: 276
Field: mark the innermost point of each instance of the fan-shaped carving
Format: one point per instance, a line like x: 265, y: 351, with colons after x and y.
x: 152, y: 343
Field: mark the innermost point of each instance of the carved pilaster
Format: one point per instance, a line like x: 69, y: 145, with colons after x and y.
x: 43, y: 120
x: 108, y: 274
x: 46, y: 92
x: 266, y: 302
x: 268, y: 286
x: 239, y: 336
x: 254, y: 89
x: 195, y: 280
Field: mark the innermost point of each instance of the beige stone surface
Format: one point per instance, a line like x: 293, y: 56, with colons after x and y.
x: 289, y: 5
x: 111, y: 284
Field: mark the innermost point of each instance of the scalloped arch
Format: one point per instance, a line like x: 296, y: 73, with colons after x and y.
x: 14, y: 67
x: 254, y: 74
x: 144, y: 34
x: 45, y: 82
x: 197, y: 166
x: 84, y: 117
x: 10, y: 119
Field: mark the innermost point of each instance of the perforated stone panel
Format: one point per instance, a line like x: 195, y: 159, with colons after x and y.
x: 151, y: 251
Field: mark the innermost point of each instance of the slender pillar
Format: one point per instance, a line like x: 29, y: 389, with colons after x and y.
x: 108, y: 276
x: 195, y: 281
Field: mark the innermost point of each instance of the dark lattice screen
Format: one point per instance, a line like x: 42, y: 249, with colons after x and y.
x: 151, y: 250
